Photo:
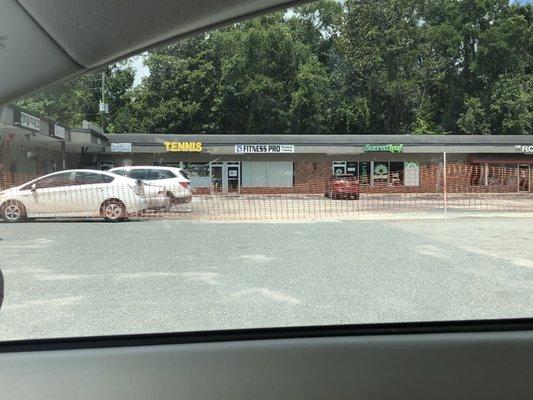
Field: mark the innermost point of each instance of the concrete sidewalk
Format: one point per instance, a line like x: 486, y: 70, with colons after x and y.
x: 369, y: 206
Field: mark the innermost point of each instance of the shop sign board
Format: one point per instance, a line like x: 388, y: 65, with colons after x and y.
x: 383, y: 148
x: 120, y: 147
x: 264, y: 148
x: 29, y: 121
x: 524, y: 148
x: 59, y: 131
x: 184, y: 147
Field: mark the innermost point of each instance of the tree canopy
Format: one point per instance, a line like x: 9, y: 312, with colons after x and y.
x: 330, y: 67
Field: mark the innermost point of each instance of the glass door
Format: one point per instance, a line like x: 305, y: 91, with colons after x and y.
x: 216, y: 174
x: 233, y: 177
x: 523, y: 178
x: 225, y: 177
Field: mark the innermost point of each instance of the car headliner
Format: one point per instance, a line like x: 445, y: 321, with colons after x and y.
x: 44, y: 42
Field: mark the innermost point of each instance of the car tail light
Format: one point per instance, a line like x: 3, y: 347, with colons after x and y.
x: 185, y: 184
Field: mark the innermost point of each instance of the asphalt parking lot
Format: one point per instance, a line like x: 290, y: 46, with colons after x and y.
x: 66, y: 278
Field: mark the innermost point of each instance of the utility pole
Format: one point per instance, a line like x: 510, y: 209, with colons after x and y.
x: 104, y: 107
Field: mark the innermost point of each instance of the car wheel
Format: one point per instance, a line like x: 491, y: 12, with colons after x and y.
x: 13, y: 211
x: 114, y: 211
x: 356, y: 196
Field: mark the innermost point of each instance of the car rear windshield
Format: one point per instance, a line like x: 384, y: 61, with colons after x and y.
x: 184, y: 174
x: 121, y: 172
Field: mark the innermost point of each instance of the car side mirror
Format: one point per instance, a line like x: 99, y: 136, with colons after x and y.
x: 33, y: 187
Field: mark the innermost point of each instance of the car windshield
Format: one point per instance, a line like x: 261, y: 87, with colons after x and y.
x: 424, y: 109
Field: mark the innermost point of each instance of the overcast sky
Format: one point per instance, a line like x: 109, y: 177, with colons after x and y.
x: 141, y: 70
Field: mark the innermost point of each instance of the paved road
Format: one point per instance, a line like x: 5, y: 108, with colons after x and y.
x: 91, y: 278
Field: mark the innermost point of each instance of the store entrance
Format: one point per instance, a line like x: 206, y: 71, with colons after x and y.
x: 225, y: 177
x: 524, y: 174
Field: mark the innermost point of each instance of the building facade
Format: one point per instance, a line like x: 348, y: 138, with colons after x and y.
x: 302, y: 163
x: 33, y: 145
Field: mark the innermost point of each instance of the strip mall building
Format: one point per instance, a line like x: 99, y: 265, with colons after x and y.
x: 301, y: 163
x: 32, y: 145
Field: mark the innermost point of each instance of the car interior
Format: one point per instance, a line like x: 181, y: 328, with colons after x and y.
x: 54, y: 40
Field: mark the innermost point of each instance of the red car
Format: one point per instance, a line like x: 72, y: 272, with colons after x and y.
x: 339, y: 186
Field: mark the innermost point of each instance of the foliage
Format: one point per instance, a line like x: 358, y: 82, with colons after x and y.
x: 331, y: 67
x: 474, y: 120
x: 78, y: 99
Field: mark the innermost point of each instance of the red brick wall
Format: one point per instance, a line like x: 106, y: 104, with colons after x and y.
x: 310, y: 177
x: 11, y: 179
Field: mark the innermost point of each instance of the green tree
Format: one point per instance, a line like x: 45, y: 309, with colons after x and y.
x: 474, y: 120
x: 512, y: 105
x: 352, y: 67
x: 77, y: 100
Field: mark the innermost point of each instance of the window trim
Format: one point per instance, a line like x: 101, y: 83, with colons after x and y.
x: 92, y: 183
x: 35, y: 182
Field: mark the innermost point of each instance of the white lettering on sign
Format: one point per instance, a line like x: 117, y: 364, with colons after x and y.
x: 264, y: 148
x: 120, y: 147
x: 29, y: 121
x: 524, y: 148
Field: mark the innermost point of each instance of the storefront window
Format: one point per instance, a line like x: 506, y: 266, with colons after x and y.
x: 381, y: 172
x: 197, y: 169
x: 494, y: 174
x: 477, y: 176
x: 351, y: 168
x: 339, y: 167
x: 396, y: 173
x: 411, y: 174
x: 384, y: 172
x: 510, y: 175
x: 365, y: 168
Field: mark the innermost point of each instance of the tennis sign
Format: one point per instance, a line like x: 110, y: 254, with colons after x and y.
x: 184, y: 147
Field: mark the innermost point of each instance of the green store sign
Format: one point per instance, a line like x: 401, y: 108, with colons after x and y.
x: 383, y: 148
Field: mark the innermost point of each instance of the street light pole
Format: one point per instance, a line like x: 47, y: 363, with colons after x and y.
x: 102, y: 103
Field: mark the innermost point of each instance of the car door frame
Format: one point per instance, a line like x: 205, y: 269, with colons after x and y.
x: 39, y: 202
x: 89, y: 207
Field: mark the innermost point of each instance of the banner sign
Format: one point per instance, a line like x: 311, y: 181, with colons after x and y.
x: 385, y: 148
x: 192, y: 147
x: 29, y: 121
x: 120, y: 147
x: 264, y: 148
x: 411, y: 173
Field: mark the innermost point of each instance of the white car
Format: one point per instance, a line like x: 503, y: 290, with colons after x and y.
x: 74, y: 193
x: 170, y: 180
